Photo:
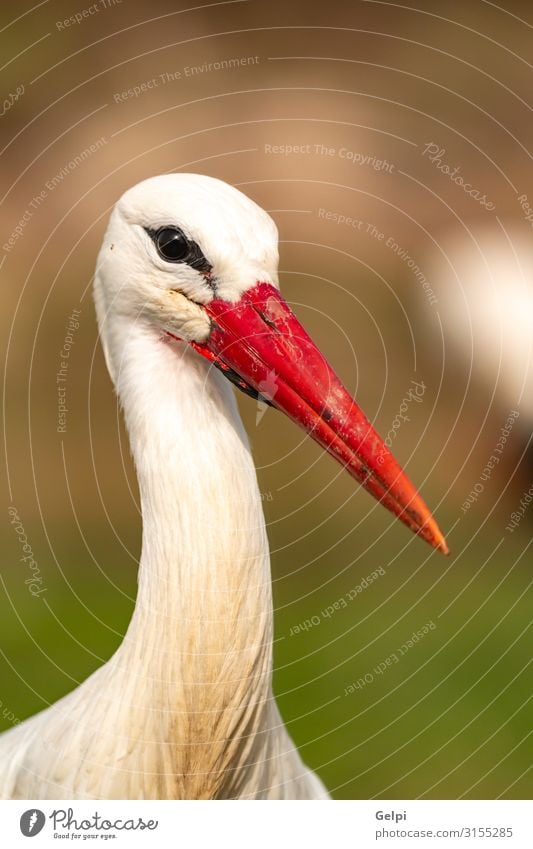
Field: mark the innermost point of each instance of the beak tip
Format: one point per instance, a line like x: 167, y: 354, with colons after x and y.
x: 443, y: 547
x: 436, y: 538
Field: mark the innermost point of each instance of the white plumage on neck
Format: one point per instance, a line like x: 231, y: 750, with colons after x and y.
x: 204, y: 602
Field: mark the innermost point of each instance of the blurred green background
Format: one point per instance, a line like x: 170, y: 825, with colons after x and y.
x: 376, y: 84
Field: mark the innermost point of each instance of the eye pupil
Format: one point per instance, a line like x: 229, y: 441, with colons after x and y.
x: 171, y: 244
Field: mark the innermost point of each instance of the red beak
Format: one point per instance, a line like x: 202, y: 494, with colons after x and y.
x: 260, y: 344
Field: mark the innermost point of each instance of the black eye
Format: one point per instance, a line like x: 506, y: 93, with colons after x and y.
x: 171, y: 244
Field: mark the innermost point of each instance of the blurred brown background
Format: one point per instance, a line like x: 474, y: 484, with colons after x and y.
x: 317, y: 111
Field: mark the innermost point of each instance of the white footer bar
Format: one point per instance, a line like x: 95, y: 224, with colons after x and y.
x: 268, y: 825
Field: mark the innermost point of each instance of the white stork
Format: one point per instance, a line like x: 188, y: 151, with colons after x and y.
x: 187, y: 296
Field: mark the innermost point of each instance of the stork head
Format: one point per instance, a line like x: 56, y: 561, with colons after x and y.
x: 192, y: 258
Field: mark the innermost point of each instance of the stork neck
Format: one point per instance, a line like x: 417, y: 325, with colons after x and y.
x: 203, y: 618
x: 204, y: 552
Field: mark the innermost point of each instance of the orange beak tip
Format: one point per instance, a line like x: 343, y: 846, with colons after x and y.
x: 443, y: 547
x: 435, y: 537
